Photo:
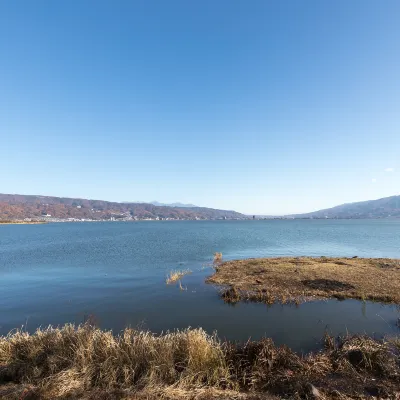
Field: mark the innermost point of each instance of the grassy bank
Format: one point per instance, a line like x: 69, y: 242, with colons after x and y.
x: 299, y: 279
x: 87, y: 363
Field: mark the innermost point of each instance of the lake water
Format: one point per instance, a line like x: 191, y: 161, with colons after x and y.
x: 58, y: 273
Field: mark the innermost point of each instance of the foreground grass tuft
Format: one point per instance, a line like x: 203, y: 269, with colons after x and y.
x: 87, y: 363
x: 69, y: 360
x: 176, y: 275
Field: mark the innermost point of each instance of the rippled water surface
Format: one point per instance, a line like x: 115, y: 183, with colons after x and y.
x: 57, y: 273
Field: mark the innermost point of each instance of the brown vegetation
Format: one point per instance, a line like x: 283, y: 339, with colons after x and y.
x: 217, y: 258
x: 176, y: 275
x: 87, y: 363
x: 299, y: 279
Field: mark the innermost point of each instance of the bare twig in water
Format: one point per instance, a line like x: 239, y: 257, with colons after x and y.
x: 181, y: 287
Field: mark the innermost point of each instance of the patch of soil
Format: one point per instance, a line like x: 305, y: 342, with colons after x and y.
x: 384, y: 265
x: 15, y: 391
x: 340, y: 263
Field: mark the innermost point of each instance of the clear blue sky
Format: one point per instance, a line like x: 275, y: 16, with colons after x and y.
x: 264, y: 107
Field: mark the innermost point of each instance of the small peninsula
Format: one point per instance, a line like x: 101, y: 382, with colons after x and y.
x: 299, y: 279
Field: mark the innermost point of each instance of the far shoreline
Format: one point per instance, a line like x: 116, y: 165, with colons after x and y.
x: 257, y: 220
x: 22, y: 222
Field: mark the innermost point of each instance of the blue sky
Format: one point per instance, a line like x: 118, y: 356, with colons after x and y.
x: 264, y: 107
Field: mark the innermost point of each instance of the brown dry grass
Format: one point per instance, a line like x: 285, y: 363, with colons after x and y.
x: 87, y: 363
x: 217, y: 258
x: 298, y: 279
x: 71, y: 361
x: 176, y: 275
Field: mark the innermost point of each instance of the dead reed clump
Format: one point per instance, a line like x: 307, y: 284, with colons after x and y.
x: 85, y: 362
x: 396, y: 343
x: 360, y: 354
x: 217, y: 258
x: 260, y: 365
x: 233, y: 295
x: 230, y: 295
x: 176, y: 275
x: 260, y: 296
x: 74, y: 360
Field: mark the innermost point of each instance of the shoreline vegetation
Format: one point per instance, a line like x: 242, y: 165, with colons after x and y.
x: 299, y: 279
x: 85, y: 362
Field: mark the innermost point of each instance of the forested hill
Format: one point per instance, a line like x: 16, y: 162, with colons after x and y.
x: 381, y: 208
x: 13, y: 206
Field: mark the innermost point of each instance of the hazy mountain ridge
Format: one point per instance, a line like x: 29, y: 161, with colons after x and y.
x: 182, y: 205
x: 14, y: 206
x: 381, y: 208
x: 157, y: 203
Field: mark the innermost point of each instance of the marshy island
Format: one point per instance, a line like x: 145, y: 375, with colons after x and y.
x: 299, y: 279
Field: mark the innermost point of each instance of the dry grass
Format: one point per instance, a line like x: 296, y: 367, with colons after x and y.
x: 299, y: 279
x: 217, y: 258
x: 87, y: 363
x: 73, y: 360
x: 176, y: 275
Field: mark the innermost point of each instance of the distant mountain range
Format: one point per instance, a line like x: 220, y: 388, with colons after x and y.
x: 156, y: 203
x: 182, y: 205
x: 14, y: 206
x: 381, y: 208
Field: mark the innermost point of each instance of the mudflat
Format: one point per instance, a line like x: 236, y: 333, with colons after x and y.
x: 299, y: 279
